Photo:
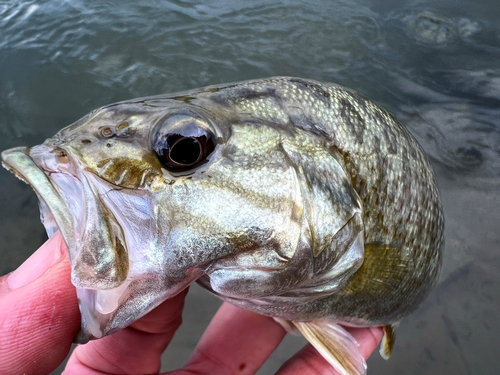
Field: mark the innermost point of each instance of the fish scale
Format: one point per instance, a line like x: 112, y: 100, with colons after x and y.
x: 355, y: 139
x: 301, y: 200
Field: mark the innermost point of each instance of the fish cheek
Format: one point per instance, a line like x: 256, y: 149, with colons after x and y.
x: 126, y: 172
x: 128, y: 163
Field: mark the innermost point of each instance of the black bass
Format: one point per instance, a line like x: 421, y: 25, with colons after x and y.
x: 288, y: 197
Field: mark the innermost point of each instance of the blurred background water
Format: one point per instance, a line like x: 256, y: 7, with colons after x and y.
x: 434, y: 64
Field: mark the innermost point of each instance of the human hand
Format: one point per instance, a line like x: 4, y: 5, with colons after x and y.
x: 39, y: 318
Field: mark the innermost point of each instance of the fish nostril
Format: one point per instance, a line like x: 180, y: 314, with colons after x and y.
x: 107, y: 132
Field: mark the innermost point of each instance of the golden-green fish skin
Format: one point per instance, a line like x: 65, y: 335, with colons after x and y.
x: 316, y: 203
x: 402, y: 215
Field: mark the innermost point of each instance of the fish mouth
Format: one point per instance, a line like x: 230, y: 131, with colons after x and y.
x: 118, y: 272
x: 64, y: 206
x: 67, y: 200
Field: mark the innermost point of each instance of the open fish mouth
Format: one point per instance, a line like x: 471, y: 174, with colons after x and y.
x: 68, y: 202
x: 119, y: 276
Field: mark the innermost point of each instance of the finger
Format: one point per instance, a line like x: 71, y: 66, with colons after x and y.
x: 368, y: 338
x: 135, y: 349
x: 309, y: 362
x: 237, y: 341
x: 38, y: 312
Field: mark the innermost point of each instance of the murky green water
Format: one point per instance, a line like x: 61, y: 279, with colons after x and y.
x: 435, y: 65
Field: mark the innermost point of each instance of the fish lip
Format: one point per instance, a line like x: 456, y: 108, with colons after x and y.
x: 19, y: 161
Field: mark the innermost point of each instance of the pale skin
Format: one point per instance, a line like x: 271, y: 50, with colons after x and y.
x: 39, y: 317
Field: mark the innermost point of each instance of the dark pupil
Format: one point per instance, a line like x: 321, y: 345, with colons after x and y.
x: 186, y: 151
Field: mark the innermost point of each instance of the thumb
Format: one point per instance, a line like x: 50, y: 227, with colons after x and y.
x: 39, y: 314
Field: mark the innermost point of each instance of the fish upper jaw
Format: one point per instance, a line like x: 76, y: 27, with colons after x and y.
x: 54, y: 208
x: 64, y: 177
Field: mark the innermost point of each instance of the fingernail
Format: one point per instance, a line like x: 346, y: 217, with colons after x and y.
x: 38, y: 263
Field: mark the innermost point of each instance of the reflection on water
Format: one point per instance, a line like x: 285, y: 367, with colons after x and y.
x: 435, y: 65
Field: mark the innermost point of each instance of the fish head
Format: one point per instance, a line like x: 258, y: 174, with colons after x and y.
x: 151, y: 195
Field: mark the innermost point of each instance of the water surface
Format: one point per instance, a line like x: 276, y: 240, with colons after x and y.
x: 435, y: 65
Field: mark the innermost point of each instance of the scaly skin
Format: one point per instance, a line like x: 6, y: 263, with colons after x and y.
x: 315, y: 203
x: 392, y: 176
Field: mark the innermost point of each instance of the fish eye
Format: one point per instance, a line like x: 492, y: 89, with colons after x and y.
x: 183, y: 142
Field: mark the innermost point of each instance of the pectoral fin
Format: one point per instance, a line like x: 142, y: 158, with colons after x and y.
x: 388, y: 340
x: 335, y: 344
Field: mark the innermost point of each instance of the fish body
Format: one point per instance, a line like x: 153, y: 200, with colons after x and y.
x: 289, y: 197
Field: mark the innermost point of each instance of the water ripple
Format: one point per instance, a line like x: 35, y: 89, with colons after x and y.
x: 423, y: 65
x: 433, y: 63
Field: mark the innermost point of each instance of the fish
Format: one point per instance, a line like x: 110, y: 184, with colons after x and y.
x: 295, y: 199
